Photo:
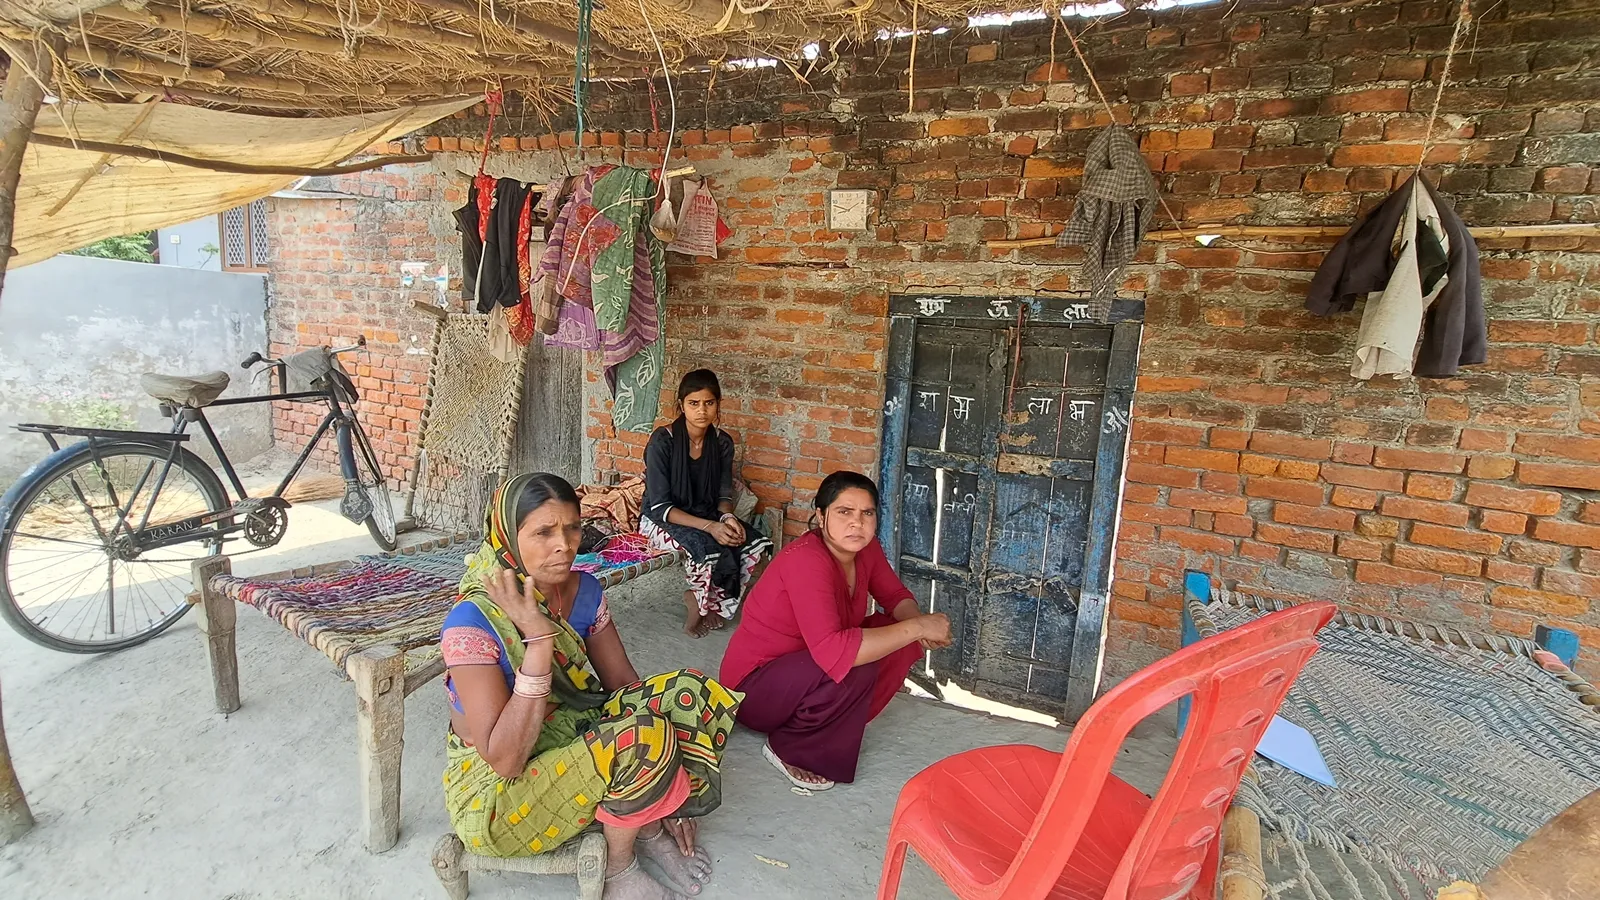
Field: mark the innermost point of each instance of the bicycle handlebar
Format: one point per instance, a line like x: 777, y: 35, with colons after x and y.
x: 360, y: 344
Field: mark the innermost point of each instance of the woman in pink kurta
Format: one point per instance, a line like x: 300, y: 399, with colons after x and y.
x: 814, y: 663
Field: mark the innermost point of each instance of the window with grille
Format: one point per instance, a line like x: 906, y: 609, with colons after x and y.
x: 244, y: 238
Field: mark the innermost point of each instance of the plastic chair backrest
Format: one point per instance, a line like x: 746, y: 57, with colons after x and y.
x: 1237, y: 680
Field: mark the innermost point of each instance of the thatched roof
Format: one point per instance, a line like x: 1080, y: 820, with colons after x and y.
x: 344, y: 55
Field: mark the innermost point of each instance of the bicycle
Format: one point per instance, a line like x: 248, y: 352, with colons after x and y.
x: 88, y: 535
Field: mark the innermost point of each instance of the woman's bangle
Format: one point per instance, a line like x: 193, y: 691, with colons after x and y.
x: 531, y: 686
x: 547, y: 636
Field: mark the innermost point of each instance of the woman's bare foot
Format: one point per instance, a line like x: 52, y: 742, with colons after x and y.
x: 715, y: 622
x: 632, y: 883
x: 694, y: 624
x: 684, y: 873
x: 807, y: 777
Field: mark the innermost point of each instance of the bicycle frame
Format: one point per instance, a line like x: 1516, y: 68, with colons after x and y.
x: 142, y: 536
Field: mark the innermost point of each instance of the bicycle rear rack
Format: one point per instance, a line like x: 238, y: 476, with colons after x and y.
x: 51, y: 431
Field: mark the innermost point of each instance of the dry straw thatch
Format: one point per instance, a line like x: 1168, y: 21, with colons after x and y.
x: 346, y: 55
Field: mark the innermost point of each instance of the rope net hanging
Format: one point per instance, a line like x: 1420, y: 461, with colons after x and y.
x: 468, y: 426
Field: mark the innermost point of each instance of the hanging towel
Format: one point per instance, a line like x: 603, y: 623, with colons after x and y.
x: 1111, y: 215
x: 1393, y: 260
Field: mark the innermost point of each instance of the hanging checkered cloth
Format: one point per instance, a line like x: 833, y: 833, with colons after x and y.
x: 1113, y: 212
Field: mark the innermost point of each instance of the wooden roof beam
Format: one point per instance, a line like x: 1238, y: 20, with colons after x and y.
x: 545, y: 31
x: 38, y: 13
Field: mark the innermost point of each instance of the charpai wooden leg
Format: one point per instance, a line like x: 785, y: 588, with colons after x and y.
x: 379, y: 674
x: 1241, y: 873
x: 447, y: 865
x: 218, y: 618
x: 591, y: 865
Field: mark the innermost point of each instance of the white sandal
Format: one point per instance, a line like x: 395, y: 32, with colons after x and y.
x: 772, y: 757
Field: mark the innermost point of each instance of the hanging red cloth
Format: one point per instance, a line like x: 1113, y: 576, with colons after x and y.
x: 519, y: 318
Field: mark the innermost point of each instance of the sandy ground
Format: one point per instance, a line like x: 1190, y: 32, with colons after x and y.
x: 143, y: 790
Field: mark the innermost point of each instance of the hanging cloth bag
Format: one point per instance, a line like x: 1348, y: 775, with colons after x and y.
x: 697, y: 228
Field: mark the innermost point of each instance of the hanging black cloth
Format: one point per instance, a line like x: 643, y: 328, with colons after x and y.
x: 497, y: 279
x: 471, y: 245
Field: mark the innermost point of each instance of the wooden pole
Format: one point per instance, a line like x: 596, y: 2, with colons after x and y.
x: 1305, y: 232
x: 16, y: 819
x: 217, y: 165
x: 23, y: 94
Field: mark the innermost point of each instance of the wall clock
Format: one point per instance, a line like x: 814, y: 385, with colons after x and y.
x: 848, y: 210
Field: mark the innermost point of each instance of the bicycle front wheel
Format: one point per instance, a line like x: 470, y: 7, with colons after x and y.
x: 360, y: 465
x: 69, y: 579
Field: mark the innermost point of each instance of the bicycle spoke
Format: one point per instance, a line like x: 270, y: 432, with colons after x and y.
x: 56, y: 540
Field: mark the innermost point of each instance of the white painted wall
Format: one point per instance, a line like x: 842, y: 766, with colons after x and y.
x: 180, y: 245
x: 76, y: 333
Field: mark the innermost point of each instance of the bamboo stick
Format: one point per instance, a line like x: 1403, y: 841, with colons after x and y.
x: 1241, y: 873
x: 1301, y: 232
x: 547, y: 31
x: 217, y: 29
x: 217, y: 165
x: 121, y: 85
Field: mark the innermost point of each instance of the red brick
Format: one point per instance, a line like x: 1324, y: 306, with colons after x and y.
x: 1359, y: 548
x: 1199, y: 541
x: 1207, y: 501
x: 1251, y: 464
x: 1204, y: 161
x: 1374, y: 100
x: 963, y: 127
x: 1502, y: 522
x: 1455, y: 539
x: 1378, y: 573
x: 1291, y: 445
x: 1510, y: 573
x: 1052, y: 73
x: 1191, y: 458
x: 1353, y: 454
x: 1420, y: 460
x: 1228, y: 439
x: 1545, y: 602
x: 1570, y: 583
x: 1494, y: 496
x: 1489, y: 468
x: 1570, y: 534
x: 1537, y: 553
x: 1257, y: 550
x: 1156, y: 515
x: 1301, y: 492
x: 1561, y: 446
x: 1363, y: 477
x: 1157, y: 474
x: 1298, y: 469
x: 1425, y: 511
x: 1166, y: 433
x: 1299, y: 538
x: 1556, y: 475
x: 1314, y: 516
x: 1431, y: 487
x: 1437, y: 561
x: 1238, y: 526
x: 1354, y: 498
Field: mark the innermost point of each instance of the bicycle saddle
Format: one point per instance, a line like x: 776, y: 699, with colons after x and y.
x: 185, y: 390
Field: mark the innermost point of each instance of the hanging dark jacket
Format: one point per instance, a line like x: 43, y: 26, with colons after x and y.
x: 471, y: 245
x: 1454, y: 333
x: 497, y: 281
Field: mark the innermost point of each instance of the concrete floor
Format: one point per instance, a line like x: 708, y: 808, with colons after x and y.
x: 142, y: 790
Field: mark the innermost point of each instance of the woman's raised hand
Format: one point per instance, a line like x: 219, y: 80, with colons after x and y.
x: 520, y: 604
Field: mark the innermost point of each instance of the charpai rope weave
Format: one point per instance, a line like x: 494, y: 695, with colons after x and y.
x: 469, y: 425
x: 1449, y: 748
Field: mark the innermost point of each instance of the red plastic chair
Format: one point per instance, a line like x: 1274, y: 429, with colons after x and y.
x: 1023, y: 823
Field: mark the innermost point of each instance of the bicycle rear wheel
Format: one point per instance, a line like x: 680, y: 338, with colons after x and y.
x: 66, y: 582
x: 360, y: 464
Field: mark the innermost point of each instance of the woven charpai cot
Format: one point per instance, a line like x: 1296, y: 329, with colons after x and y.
x: 1448, y: 748
x: 397, y: 599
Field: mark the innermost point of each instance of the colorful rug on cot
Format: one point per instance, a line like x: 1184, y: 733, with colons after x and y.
x: 398, y: 599
x: 1449, y: 748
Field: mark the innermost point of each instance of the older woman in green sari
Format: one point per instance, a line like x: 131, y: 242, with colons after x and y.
x: 540, y: 746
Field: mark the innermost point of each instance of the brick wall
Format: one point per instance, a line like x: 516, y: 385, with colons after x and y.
x: 335, y: 274
x: 1254, y: 455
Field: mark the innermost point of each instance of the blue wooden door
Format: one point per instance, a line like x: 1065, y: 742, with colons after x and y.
x: 1005, y: 429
